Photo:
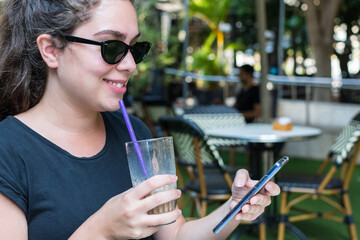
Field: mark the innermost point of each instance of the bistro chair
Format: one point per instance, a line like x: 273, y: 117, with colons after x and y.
x: 330, y: 185
x: 212, y: 116
x: 207, y: 176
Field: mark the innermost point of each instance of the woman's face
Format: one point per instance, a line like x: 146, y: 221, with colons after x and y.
x: 84, y: 79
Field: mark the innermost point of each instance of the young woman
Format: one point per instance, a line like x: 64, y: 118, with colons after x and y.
x: 64, y: 66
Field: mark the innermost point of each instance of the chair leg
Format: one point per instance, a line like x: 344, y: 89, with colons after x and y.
x: 352, y: 230
x: 349, y: 217
x: 281, y: 231
x: 203, y: 208
x: 262, y: 228
x: 283, y: 216
x: 192, y: 208
x: 198, y: 206
x: 186, y: 200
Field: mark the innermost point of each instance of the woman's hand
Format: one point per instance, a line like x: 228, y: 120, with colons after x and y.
x: 242, y: 184
x: 125, y: 216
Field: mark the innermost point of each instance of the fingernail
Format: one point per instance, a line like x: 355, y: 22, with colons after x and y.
x: 179, y: 211
x: 179, y: 193
x: 239, y: 182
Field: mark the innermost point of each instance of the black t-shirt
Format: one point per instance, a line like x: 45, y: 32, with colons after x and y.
x: 56, y: 190
x: 246, y: 99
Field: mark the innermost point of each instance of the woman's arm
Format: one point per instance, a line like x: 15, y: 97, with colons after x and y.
x: 202, y: 228
x: 13, y: 224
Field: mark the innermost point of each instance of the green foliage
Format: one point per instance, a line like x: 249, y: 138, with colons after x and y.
x: 150, y: 28
x: 205, y: 62
x: 211, y: 12
x: 236, y: 46
x: 205, y: 59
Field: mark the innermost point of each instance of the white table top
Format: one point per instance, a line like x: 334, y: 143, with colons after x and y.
x: 264, y: 133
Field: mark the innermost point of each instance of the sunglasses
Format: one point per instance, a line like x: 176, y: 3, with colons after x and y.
x: 113, y: 51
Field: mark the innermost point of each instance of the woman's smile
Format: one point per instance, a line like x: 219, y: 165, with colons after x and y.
x: 117, y: 86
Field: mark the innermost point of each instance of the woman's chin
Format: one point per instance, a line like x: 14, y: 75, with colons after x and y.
x: 110, y: 106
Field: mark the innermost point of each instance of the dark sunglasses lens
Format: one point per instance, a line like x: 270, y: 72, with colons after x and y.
x: 140, y: 50
x: 114, y: 51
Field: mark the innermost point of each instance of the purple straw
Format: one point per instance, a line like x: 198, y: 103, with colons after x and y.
x: 133, y: 138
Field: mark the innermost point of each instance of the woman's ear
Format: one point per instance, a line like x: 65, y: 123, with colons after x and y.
x: 48, y: 50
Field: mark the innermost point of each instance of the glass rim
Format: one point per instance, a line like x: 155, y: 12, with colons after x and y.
x: 150, y: 140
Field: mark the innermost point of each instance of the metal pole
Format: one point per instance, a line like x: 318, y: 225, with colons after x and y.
x: 307, y: 104
x: 264, y: 93
x: 280, y: 53
x: 185, y: 47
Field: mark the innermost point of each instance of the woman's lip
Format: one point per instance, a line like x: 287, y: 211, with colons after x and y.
x: 117, y: 86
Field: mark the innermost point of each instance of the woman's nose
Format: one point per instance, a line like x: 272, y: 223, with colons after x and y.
x: 128, y: 63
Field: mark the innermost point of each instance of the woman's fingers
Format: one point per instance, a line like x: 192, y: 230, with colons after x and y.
x: 249, y: 212
x: 260, y: 199
x: 155, y: 182
x: 161, y: 198
x: 128, y: 212
x: 163, y: 218
x: 272, y: 189
x: 242, y: 176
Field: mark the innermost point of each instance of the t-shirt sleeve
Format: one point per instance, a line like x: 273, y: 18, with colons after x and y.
x: 13, y: 175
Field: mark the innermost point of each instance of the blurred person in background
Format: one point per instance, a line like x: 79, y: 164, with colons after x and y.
x: 248, y: 99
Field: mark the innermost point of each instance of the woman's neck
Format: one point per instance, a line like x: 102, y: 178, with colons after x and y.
x: 80, y: 133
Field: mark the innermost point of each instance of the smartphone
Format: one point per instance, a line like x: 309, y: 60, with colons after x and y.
x: 270, y: 174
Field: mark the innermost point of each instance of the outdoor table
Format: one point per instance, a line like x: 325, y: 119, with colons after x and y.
x: 262, y: 138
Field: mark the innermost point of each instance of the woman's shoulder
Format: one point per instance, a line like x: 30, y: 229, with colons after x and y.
x: 8, y: 121
x: 9, y: 129
x: 12, y: 141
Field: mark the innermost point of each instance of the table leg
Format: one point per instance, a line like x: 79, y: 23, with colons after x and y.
x: 261, y: 158
x: 268, y: 159
x: 254, y: 157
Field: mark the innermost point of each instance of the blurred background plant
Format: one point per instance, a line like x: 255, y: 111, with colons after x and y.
x: 222, y: 34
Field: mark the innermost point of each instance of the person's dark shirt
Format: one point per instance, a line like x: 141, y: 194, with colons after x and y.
x: 246, y: 99
x: 58, y: 191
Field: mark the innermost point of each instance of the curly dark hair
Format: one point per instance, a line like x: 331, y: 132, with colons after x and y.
x: 23, y: 72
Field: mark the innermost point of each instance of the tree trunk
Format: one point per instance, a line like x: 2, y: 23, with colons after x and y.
x: 320, y: 25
